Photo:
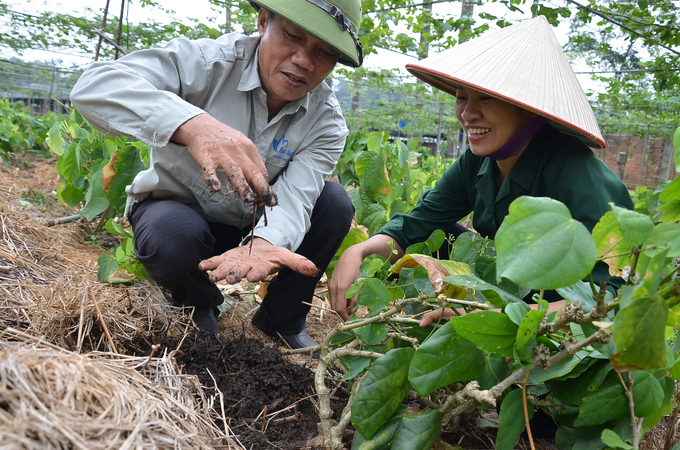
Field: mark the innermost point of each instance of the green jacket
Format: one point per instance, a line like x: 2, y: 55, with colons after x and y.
x: 554, y: 165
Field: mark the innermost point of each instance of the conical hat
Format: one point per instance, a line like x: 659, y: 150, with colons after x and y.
x: 522, y: 64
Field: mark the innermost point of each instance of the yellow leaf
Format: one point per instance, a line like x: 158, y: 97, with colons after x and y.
x: 437, y: 271
x: 108, y: 172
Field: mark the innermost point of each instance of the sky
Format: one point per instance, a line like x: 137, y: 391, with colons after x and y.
x: 201, y: 9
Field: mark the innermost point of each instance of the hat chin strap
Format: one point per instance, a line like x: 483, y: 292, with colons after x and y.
x: 516, y: 143
x: 344, y: 22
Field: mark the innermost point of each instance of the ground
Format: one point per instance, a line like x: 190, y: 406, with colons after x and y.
x: 265, y: 398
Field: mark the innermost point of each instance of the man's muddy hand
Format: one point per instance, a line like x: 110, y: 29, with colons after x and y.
x: 216, y: 145
x: 266, y: 259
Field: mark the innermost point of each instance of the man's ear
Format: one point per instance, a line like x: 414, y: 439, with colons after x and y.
x: 262, y: 19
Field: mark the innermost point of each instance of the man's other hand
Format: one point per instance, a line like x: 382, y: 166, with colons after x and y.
x: 216, y: 145
x: 265, y: 259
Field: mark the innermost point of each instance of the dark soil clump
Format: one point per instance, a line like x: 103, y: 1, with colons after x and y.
x: 268, y: 400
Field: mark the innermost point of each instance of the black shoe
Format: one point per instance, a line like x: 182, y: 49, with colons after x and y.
x: 295, y: 341
x: 205, y: 318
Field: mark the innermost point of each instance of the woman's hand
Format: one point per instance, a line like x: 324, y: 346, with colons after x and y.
x: 436, y: 315
x: 344, y: 274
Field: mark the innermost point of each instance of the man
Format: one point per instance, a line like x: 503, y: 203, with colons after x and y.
x: 237, y: 125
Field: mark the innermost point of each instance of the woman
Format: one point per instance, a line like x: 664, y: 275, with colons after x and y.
x: 529, y: 126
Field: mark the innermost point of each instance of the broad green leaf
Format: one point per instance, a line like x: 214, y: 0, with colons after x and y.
x: 516, y: 312
x: 382, y: 439
x: 613, y: 440
x: 493, y: 371
x: 635, y: 227
x: 444, y: 359
x: 638, y: 333
x: 125, y: 167
x: 653, y: 273
x: 606, y: 403
x: 354, y: 365
x: 374, y: 180
x: 489, y: 330
x: 437, y: 271
x: 94, y: 205
x: 674, y: 319
x: 512, y: 421
x: 375, y: 141
x: 382, y: 391
x: 106, y: 268
x: 571, y: 390
x: 582, y: 292
x: 671, y: 211
x: 671, y: 191
x: 676, y: 146
x: 55, y: 140
x: 541, y: 247
x: 70, y: 194
x: 611, y: 246
x: 648, y: 394
x: 526, y: 336
x: 494, y: 294
x: 374, y: 296
x: 418, y: 432
x: 373, y: 333
x: 557, y: 370
x: 666, y: 235
x: 68, y: 165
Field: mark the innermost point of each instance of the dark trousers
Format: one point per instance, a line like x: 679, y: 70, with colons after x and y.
x: 172, y: 238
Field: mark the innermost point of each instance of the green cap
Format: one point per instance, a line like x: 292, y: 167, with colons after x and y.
x: 334, y: 22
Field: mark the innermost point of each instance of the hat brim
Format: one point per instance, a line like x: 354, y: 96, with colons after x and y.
x: 318, y: 23
x: 449, y: 84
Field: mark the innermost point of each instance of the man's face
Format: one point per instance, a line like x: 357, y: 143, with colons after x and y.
x: 292, y: 62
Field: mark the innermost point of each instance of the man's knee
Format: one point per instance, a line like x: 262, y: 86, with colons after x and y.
x: 336, y: 203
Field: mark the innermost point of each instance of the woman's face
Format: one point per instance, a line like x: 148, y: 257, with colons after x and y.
x: 488, y: 121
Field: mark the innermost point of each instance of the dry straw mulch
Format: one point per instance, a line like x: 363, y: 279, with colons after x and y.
x: 51, y: 398
x: 66, y: 377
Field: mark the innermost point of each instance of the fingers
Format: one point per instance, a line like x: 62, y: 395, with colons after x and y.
x: 436, y: 315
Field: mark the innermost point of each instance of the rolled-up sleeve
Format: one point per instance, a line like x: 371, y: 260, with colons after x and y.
x: 145, y: 95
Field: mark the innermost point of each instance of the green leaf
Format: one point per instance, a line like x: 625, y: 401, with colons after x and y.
x: 582, y: 292
x: 418, y: 432
x: 611, y: 246
x: 653, y: 273
x: 94, y: 205
x: 55, y: 140
x: 613, y: 440
x: 444, y: 359
x: 635, y: 227
x: 374, y: 180
x: 373, y: 333
x: 571, y: 390
x: 516, y: 312
x: 374, y: 296
x: 493, y: 371
x: 382, y: 439
x: 606, y: 403
x: 671, y: 191
x: 106, y: 268
x: 671, y: 211
x: 114, y: 227
x: 648, y: 394
x: 68, y: 165
x: 354, y: 365
x: 666, y: 235
x: 127, y: 165
x: 511, y: 418
x: 526, y: 336
x: 489, y: 330
x: 638, y: 333
x: 494, y: 294
x: 676, y: 146
x: 70, y: 194
x: 541, y: 247
x: 382, y: 391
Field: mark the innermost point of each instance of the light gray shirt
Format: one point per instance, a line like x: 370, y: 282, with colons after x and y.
x: 148, y: 94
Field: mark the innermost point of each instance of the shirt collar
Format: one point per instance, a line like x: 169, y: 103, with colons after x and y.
x: 250, y: 80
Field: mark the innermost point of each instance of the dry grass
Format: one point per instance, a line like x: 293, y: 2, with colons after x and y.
x: 53, y: 399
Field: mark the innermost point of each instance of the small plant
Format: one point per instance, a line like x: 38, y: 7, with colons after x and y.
x: 94, y: 170
x: 20, y: 132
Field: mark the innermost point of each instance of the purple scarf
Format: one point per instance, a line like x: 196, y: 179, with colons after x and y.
x: 519, y: 140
